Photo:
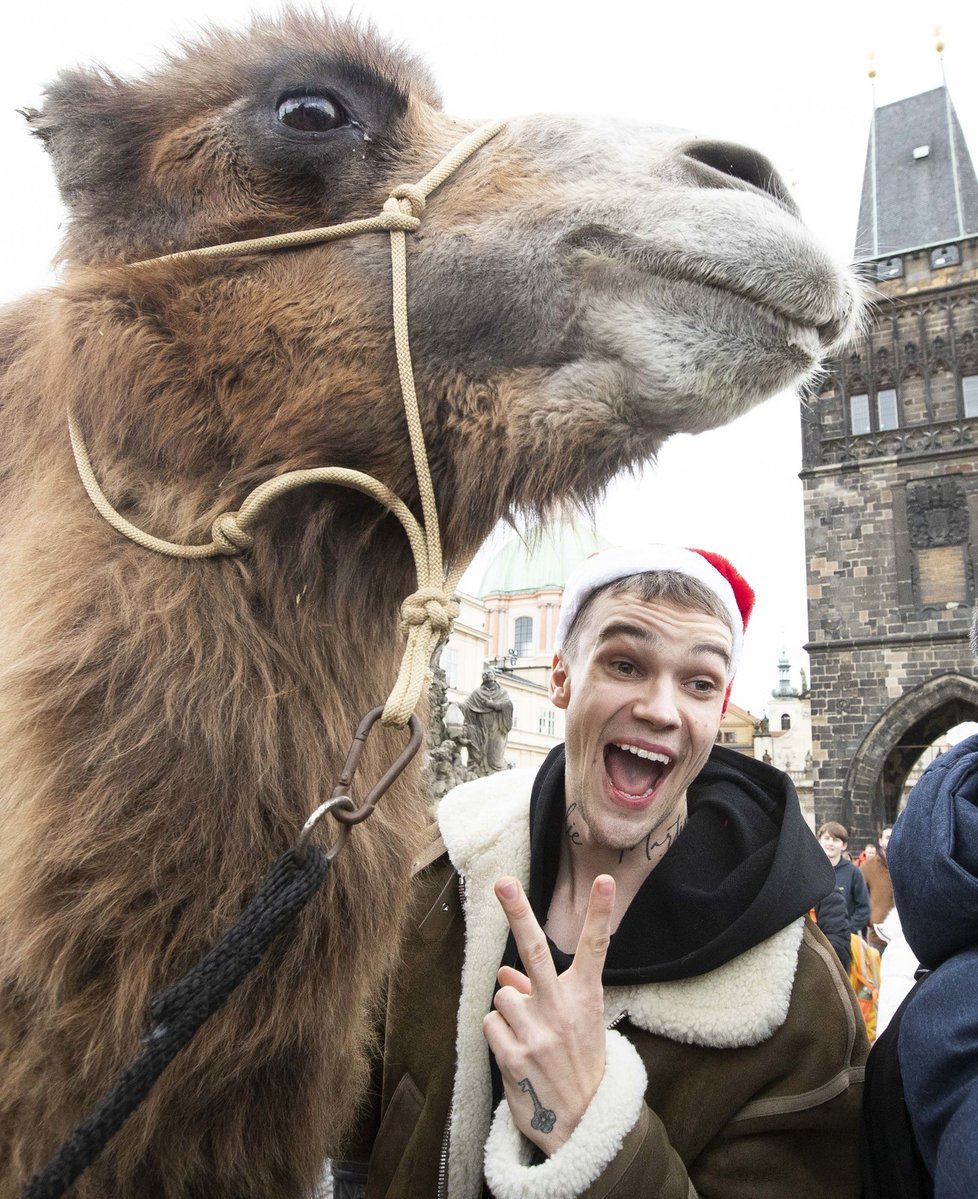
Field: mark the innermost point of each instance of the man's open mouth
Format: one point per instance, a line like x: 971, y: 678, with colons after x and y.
x: 635, y: 773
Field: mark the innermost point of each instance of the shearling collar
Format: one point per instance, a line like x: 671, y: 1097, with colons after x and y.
x: 485, y: 828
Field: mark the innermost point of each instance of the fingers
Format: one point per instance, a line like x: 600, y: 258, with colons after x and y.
x: 529, y: 936
x: 592, y: 946
x: 507, y: 976
x: 499, y: 1036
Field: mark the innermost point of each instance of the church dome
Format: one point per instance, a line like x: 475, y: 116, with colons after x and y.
x: 542, y: 558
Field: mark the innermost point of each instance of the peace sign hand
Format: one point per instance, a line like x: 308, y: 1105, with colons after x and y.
x: 547, y: 1030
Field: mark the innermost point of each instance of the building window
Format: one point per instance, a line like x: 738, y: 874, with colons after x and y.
x: 859, y: 414
x: 785, y: 722
x: 882, y: 414
x: 729, y: 735
x: 523, y: 636
x: 969, y: 386
x: 547, y: 723
x: 886, y: 409
x: 449, y: 664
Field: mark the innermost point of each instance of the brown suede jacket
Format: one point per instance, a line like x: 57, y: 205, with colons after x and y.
x: 744, y: 1083
x: 877, y: 875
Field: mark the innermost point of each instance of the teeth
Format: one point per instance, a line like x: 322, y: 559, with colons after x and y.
x: 648, y: 754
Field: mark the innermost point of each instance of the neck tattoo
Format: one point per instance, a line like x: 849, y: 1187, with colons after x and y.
x: 573, y: 832
x: 663, y: 843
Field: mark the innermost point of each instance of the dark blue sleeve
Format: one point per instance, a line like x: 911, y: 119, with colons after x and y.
x: 939, y: 1063
x: 860, y: 903
x: 833, y: 919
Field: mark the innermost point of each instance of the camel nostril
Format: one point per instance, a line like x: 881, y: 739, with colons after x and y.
x: 740, y: 163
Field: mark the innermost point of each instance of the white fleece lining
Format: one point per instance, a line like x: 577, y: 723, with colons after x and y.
x: 485, y: 827
x: 610, y: 1116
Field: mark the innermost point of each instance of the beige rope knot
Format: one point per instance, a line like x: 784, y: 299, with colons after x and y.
x: 414, y: 196
x: 229, y: 536
x: 431, y: 606
x: 393, y: 219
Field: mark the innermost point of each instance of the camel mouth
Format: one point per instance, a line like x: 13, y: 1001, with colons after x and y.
x: 823, y: 305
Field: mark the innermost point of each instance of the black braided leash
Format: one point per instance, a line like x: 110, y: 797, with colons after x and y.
x: 179, y: 1011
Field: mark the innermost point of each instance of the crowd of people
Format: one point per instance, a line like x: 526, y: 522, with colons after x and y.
x: 615, y: 980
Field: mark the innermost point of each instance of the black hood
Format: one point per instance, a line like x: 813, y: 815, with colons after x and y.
x: 745, y: 865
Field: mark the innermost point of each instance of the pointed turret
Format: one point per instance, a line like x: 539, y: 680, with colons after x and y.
x: 919, y: 187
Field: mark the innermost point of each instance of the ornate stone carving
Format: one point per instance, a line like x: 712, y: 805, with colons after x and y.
x: 937, y: 514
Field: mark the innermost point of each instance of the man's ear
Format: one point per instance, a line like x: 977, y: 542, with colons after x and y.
x: 560, y: 684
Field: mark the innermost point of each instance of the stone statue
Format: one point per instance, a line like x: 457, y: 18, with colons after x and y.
x: 488, y: 719
x: 444, y: 768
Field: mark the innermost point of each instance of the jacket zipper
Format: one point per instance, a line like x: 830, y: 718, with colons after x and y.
x: 443, y: 1158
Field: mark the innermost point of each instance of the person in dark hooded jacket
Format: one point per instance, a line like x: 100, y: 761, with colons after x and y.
x: 925, y: 1066
x: 933, y: 859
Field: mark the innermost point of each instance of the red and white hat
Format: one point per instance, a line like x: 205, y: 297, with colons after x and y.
x: 711, y: 570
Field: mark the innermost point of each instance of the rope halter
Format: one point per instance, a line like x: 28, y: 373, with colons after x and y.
x: 426, y: 615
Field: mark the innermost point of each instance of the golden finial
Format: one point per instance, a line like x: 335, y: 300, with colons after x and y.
x: 938, y: 40
x: 871, y: 57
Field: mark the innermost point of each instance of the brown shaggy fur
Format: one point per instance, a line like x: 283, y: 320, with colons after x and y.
x: 166, y: 726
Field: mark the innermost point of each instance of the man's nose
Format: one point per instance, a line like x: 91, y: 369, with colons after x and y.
x: 657, y: 704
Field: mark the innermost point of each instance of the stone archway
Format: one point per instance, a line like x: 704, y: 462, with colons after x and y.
x: 880, y: 766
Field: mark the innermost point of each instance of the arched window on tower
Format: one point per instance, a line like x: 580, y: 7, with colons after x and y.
x: 785, y: 722
x: 523, y: 634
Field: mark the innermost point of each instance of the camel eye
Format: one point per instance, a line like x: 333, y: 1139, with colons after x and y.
x: 311, y: 112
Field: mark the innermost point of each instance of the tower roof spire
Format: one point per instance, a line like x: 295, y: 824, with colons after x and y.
x: 919, y: 186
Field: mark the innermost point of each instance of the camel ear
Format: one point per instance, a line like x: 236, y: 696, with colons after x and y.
x: 91, y: 125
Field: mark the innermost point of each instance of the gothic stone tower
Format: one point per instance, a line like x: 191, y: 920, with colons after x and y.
x: 891, y: 477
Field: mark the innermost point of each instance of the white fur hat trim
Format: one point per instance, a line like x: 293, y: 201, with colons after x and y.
x: 608, y: 566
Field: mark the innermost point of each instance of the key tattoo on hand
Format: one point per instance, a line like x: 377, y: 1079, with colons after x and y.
x: 543, y: 1119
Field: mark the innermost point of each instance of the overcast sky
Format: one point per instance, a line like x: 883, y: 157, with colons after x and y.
x: 790, y: 80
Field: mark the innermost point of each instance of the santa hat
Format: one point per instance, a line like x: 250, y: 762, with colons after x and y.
x: 715, y: 573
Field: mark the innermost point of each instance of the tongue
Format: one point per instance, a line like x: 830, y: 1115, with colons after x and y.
x: 631, y: 774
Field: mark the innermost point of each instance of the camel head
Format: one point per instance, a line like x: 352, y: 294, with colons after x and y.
x: 578, y: 290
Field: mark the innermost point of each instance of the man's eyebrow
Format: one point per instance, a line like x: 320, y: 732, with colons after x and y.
x: 712, y: 647
x: 622, y: 628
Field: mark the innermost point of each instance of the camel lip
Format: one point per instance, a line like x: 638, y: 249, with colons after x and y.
x: 831, y: 320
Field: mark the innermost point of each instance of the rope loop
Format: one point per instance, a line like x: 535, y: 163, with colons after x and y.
x: 414, y: 196
x: 393, y: 219
x: 429, y: 606
x: 229, y: 536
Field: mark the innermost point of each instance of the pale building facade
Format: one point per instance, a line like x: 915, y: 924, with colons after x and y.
x: 511, y: 625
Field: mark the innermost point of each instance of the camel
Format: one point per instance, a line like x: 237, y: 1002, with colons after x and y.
x: 578, y: 293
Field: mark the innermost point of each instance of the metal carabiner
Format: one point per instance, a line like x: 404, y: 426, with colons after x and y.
x: 353, y: 760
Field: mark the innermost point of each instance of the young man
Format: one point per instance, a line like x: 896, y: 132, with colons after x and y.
x: 611, y: 963
x: 834, y: 839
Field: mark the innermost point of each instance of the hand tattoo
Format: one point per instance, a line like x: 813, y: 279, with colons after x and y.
x: 572, y: 834
x: 543, y: 1119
